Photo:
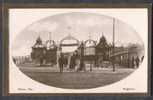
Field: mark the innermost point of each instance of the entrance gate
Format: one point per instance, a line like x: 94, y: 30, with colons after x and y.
x: 68, y: 46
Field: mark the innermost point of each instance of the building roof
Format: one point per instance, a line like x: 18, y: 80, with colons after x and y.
x: 90, y: 43
x: 38, y: 43
x: 102, y: 43
x: 50, y: 44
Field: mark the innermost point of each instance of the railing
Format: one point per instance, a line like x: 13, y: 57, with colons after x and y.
x: 21, y: 59
x: 121, y: 52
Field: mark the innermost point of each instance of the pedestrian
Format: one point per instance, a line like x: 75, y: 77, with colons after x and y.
x: 61, y: 62
x: 142, y: 58
x: 14, y: 60
x: 65, y: 61
x: 81, y: 65
x: 41, y: 59
x: 137, y: 61
x: 132, y: 62
x: 72, y: 62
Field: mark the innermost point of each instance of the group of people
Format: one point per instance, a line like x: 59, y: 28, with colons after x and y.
x: 76, y: 61
x: 64, y: 61
x: 136, y: 61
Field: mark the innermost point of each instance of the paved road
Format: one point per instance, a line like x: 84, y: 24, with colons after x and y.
x: 74, y: 79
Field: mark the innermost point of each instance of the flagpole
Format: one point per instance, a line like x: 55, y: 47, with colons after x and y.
x: 113, y: 44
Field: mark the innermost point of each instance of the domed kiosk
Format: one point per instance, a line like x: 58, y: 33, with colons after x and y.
x: 89, y: 47
x: 38, y: 49
x: 51, y: 50
x: 90, y: 52
x: 44, y: 53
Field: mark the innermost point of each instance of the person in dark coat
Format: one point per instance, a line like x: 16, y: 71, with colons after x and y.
x: 137, y: 60
x: 65, y: 61
x: 142, y: 58
x: 82, y: 65
x: 41, y: 59
x: 132, y: 62
x: 14, y: 60
x: 61, y: 62
x: 72, y: 62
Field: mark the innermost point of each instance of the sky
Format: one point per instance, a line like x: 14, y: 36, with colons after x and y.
x: 76, y: 24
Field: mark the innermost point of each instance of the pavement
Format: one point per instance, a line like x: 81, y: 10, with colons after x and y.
x: 49, y: 68
x: 72, y: 79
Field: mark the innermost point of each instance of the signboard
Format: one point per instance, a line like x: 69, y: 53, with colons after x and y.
x: 69, y: 49
x: 89, y: 51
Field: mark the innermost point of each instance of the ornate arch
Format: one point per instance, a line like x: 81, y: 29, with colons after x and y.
x: 69, y: 37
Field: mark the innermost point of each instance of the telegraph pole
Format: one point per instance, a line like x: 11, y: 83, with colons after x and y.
x: 113, y: 44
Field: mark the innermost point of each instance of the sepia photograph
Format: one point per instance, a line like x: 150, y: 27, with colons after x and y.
x: 67, y: 50
x: 56, y: 49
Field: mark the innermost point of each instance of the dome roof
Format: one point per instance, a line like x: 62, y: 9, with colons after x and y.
x: 69, y: 44
x: 90, y: 43
x: 50, y: 44
x: 69, y: 41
